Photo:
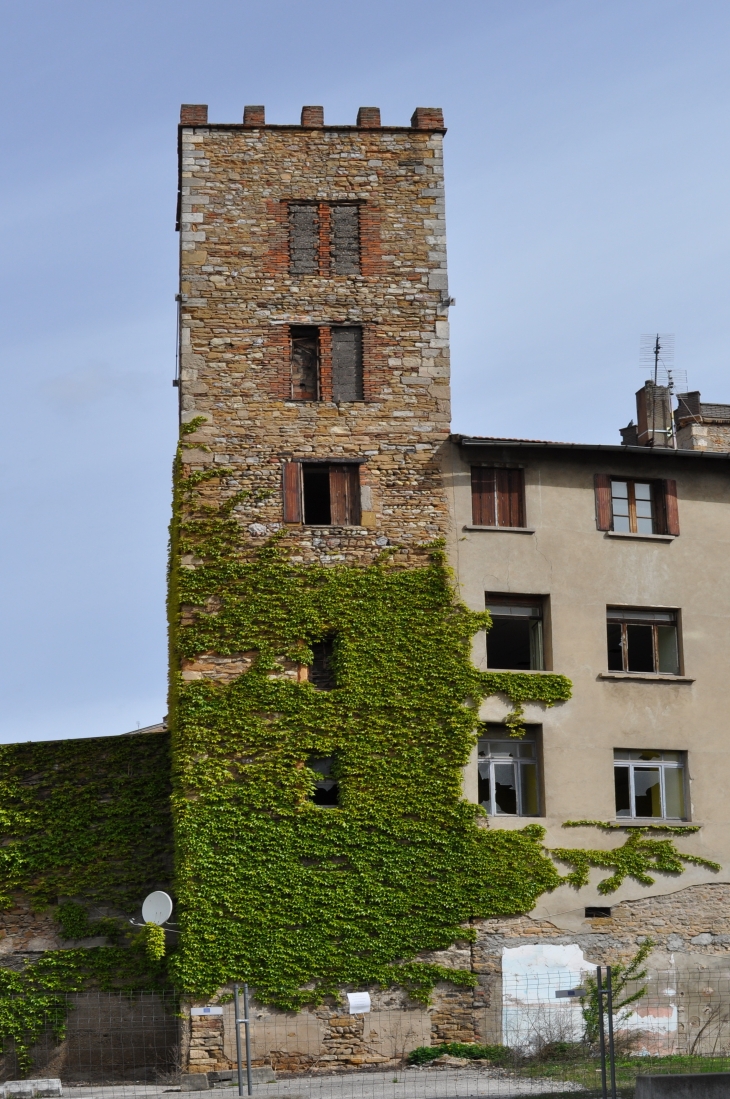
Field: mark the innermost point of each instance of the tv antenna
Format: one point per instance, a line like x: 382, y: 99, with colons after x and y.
x: 657, y: 352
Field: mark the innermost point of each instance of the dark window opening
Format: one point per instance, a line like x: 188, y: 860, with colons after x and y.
x: 304, y: 363
x: 326, y: 788
x: 497, y: 497
x: 345, y: 242
x: 321, y: 670
x: 331, y: 494
x: 304, y: 239
x: 642, y: 641
x: 508, y: 774
x: 597, y: 912
x: 515, y: 640
x: 347, y: 380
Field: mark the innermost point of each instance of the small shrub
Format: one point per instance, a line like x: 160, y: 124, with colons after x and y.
x: 423, y: 1054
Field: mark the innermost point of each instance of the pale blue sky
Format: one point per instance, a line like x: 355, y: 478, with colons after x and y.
x: 587, y: 182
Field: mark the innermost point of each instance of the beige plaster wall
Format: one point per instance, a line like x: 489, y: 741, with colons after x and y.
x: 582, y: 570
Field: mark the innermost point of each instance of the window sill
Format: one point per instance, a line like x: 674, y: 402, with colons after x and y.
x: 523, y: 671
x: 649, y: 677
x: 648, y: 822
x: 505, y: 530
x: 640, y: 537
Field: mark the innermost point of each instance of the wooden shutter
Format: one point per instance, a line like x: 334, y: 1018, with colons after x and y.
x: 292, y: 486
x: 345, y: 495
x: 659, y: 505
x: 510, y: 498
x: 602, y: 483
x: 483, y: 496
x: 670, y: 507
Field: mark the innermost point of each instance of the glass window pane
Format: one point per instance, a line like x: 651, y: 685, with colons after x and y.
x: 505, y: 791
x: 668, y: 650
x: 644, y: 526
x: 642, y: 491
x: 514, y: 610
x: 643, y: 507
x: 647, y: 792
x: 640, y: 648
x: 621, y: 522
x: 620, y: 490
x: 623, y: 800
x: 675, y: 757
x: 537, y: 662
x: 615, y: 651
x: 646, y: 753
x: 674, y: 791
x: 526, y: 749
x: 621, y: 753
x: 530, y: 804
x: 508, y: 644
x: 485, y: 791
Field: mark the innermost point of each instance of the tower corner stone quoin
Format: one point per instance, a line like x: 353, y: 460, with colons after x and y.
x: 242, y: 302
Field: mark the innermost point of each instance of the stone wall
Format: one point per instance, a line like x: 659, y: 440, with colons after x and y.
x: 238, y: 299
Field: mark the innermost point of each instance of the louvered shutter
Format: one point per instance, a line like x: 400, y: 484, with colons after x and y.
x: 602, y: 483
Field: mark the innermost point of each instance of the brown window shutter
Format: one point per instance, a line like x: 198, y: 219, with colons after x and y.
x: 510, y: 509
x: 483, y: 497
x: 603, y: 501
x: 670, y: 505
x: 659, y: 504
x: 292, y: 485
x: 345, y: 495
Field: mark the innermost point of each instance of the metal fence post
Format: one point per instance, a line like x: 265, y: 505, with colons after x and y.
x: 236, y: 1014
x: 601, y: 1033
x: 247, y: 1024
x: 611, y: 1047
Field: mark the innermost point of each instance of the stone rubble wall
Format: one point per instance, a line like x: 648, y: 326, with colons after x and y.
x: 238, y: 299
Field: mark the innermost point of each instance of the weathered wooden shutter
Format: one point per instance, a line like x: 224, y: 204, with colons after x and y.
x: 345, y: 495
x: 670, y: 505
x: 347, y: 363
x: 602, y: 483
x: 659, y: 505
x: 483, y: 496
x: 292, y: 492
x: 510, y: 496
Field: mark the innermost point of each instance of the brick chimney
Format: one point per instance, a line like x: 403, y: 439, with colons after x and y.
x: 654, y: 416
x: 194, y: 114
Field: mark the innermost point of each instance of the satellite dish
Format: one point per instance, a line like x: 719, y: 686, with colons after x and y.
x: 157, y: 907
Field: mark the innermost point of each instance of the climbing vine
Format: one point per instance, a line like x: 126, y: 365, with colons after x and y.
x: 274, y: 889
x: 85, y: 818
x: 635, y: 858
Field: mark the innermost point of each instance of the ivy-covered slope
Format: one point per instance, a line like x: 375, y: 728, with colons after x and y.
x: 85, y: 818
x: 295, y: 898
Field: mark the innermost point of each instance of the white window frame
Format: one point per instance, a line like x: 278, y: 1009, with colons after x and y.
x: 518, y: 763
x: 662, y: 766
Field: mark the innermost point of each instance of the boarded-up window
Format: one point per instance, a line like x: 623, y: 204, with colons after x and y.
x: 345, y: 240
x: 347, y: 364
x: 331, y: 494
x: 498, y: 497
x: 304, y: 363
x: 303, y: 239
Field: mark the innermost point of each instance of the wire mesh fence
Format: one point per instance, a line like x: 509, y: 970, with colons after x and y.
x: 539, y: 1037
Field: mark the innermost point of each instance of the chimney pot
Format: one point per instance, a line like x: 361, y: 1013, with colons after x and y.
x: 427, y: 118
x: 368, y: 118
x: 312, y: 116
x: 254, y: 116
x: 194, y: 114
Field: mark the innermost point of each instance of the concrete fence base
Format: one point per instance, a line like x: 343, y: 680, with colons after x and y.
x: 697, y: 1085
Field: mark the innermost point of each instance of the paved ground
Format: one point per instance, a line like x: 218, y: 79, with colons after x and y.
x: 406, y: 1084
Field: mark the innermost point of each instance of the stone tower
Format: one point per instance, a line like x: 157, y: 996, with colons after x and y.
x: 314, y: 323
